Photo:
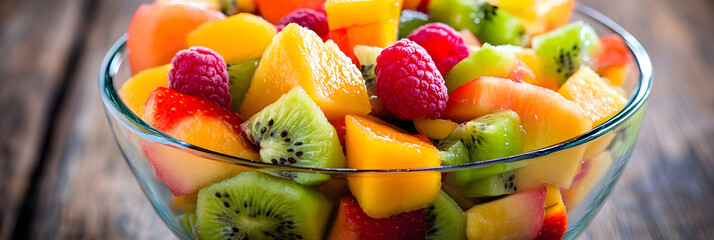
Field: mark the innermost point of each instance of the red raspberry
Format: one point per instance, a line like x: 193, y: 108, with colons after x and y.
x: 201, y: 72
x: 444, y: 44
x: 308, y: 18
x: 408, y: 82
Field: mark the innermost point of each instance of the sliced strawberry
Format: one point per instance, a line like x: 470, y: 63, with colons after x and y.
x: 353, y: 223
x: 555, y: 221
x: 340, y: 128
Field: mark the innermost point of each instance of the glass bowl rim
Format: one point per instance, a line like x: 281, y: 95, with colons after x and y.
x: 114, y: 106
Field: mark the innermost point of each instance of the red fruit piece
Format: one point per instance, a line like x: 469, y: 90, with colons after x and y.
x: 201, y: 72
x: 353, y: 223
x: 408, y: 82
x: 555, y: 221
x: 340, y: 128
x: 614, y: 51
x: 308, y: 18
x: 445, y: 46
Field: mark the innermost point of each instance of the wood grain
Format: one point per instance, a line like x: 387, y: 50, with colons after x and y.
x: 35, y: 44
x: 57, y: 149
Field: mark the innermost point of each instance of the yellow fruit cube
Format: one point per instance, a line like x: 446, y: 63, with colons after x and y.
x: 238, y: 38
x: 347, y: 13
x: 598, y: 100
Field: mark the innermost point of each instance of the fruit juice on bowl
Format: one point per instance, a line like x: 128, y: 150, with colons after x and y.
x: 372, y: 119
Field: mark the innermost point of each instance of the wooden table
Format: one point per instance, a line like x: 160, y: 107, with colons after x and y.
x: 62, y: 175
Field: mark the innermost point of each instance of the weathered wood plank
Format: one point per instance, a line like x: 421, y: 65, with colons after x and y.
x: 666, y: 191
x: 35, y: 42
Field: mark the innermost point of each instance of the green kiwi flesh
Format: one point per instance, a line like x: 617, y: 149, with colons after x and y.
x: 494, y: 185
x: 254, y: 205
x: 499, y: 27
x: 367, y: 57
x: 294, y: 131
x: 239, y: 76
x: 459, y: 14
x: 410, y: 20
x: 453, y: 152
x: 492, y: 136
x: 563, y: 51
x: 489, y: 60
x: 445, y: 219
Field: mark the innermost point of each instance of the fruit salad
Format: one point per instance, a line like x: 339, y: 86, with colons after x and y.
x: 375, y: 88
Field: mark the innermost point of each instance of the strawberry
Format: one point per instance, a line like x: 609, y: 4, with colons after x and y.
x: 353, y: 223
x: 554, y: 224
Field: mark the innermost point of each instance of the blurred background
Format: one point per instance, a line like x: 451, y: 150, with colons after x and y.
x: 62, y: 175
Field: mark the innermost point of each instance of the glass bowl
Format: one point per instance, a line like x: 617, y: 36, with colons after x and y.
x: 604, y: 150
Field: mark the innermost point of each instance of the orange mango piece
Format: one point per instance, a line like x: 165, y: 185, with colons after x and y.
x: 274, y: 10
x: 362, y: 22
x: 238, y: 38
x: 135, y: 91
x: 373, y: 146
x: 297, y: 56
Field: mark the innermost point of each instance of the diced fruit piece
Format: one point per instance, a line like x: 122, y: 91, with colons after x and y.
x: 555, y: 221
x: 339, y: 126
x: 547, y: 119
x: 459, y: 14
x: 366, y: 22
x: 367, y: 57
x: 238, y: 38
x: 184, y: 203
x: 616, y: 75
x: 308, y: 18
x: 228, y: 7
x: 539, y: 15
x: 157, y: 31
x: 529, y: 58
x: 489, y: 137
x: 255, y: 205
x: 453, y: 152
x: 494, y: 185
x: 410, y: 20
x: 348, y: 13
x: 246, y: 6
x: 319, y: 68
x: 614, y: 52
x: 197, y: 122
x: 499, y: 27
x: 563, y: 51
x: 411, y: 4
x: 436, y: 128
x: 274, y: 10
x: 409, y: 83
x: 135, y: 91
x: 443, y: 43
x: 516, y: 216
x: 591, y: 174
x: 491, y: 61
x: 352, y: 223
x: 239, y: 76
x: 596, y: 98
x: 293, y: 131
x: 422, y: 137
x: 201, y: 72
x: 374, y: 146
x: 445, y: 219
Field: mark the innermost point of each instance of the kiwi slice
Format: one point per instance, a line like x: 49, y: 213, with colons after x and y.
x: 410, y: 20
x: 239, y: 76
x: 294, y: 131
x: 494, y: 185
x: 563, y: 51
x: 453, y: 152
x: 188, y: 221
x: 445, y: 219
x: 499, y: 27
x: 254, y: 205
x: 367, y: 57
x: 489, y: 137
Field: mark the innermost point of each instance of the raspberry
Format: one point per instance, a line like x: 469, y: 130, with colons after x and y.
x: 201, y: 72
x: 408, y: 82
x: 444, y: 44
x: 308, y: 18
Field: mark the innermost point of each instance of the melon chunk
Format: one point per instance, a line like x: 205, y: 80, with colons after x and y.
x: 297, y: 56
x: 547, y: 119
x: 374, y: 146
